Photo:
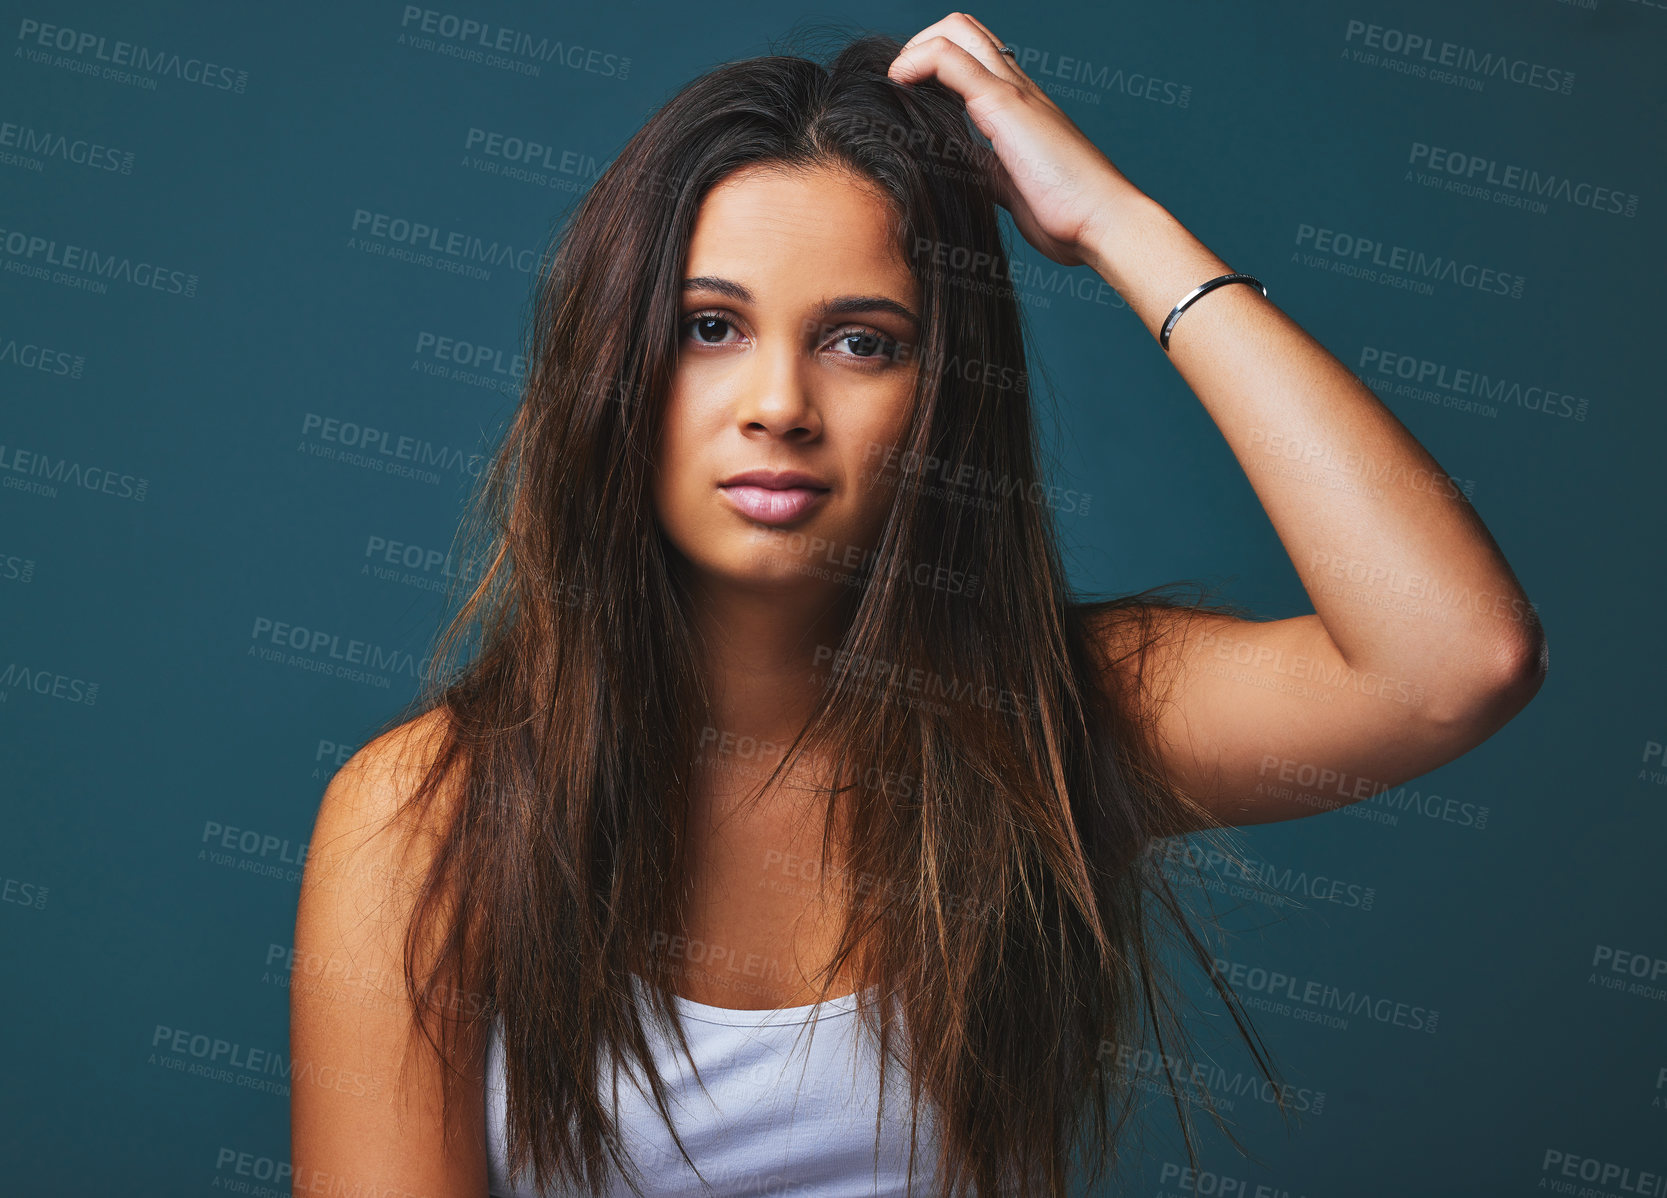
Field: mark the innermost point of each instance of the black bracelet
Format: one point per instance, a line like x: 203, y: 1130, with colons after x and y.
x: 1218, y: 281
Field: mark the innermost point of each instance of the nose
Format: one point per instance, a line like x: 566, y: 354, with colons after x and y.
x: 776, y: 398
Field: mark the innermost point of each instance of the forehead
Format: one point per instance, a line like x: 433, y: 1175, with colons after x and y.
x: 801, y: 229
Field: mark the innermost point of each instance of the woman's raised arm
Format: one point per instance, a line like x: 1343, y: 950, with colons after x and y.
x: 1422, y: 643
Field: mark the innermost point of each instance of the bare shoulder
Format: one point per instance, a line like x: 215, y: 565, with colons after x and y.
x: 372, y: 846
x: 365, y: 1100
x: 370, y: 792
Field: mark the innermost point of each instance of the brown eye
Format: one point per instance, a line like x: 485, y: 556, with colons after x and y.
x: 704, y: 323
x: 865, y: 343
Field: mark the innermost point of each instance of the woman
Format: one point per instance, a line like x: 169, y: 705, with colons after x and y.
x: 783, y: 725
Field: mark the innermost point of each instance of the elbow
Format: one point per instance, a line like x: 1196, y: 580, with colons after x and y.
x: 1520, y: 662
x: 1506, y: 676
x: 1531, y: 664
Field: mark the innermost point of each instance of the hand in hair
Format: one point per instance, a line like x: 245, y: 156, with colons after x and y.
x: 1057, y: 184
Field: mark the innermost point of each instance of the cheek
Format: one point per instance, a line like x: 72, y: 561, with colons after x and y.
x: 875, y: 453
x: 890, y: 425
x: 682, y: 465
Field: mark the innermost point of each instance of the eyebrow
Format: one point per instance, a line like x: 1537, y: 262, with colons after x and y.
x: 844, y: 305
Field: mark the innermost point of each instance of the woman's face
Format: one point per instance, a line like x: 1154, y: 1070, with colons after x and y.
x: 796, y: 353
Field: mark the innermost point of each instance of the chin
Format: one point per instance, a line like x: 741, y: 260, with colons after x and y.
x: 790, y: 559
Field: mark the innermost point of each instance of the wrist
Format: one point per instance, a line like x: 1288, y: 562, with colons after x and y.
x: 1123, y: 221
x: 1147, y: 256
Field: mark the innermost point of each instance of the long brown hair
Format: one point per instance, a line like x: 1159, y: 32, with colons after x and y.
x: 1016, y: 924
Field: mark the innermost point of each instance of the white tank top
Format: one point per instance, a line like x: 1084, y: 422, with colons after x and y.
x: 788, y: 1108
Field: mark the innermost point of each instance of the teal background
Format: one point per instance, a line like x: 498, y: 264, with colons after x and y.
x: 115, y: 922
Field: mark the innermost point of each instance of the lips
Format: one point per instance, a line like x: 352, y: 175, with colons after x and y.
x: 775, y: 480
x: 774, y: 496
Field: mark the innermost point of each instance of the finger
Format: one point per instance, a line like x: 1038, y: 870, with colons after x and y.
x: 972, y: 37
x: 952, y: 64
x: 1012, y: 65
x: 988, y: 52
x: 987, y: 31
x: 939, y: 27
